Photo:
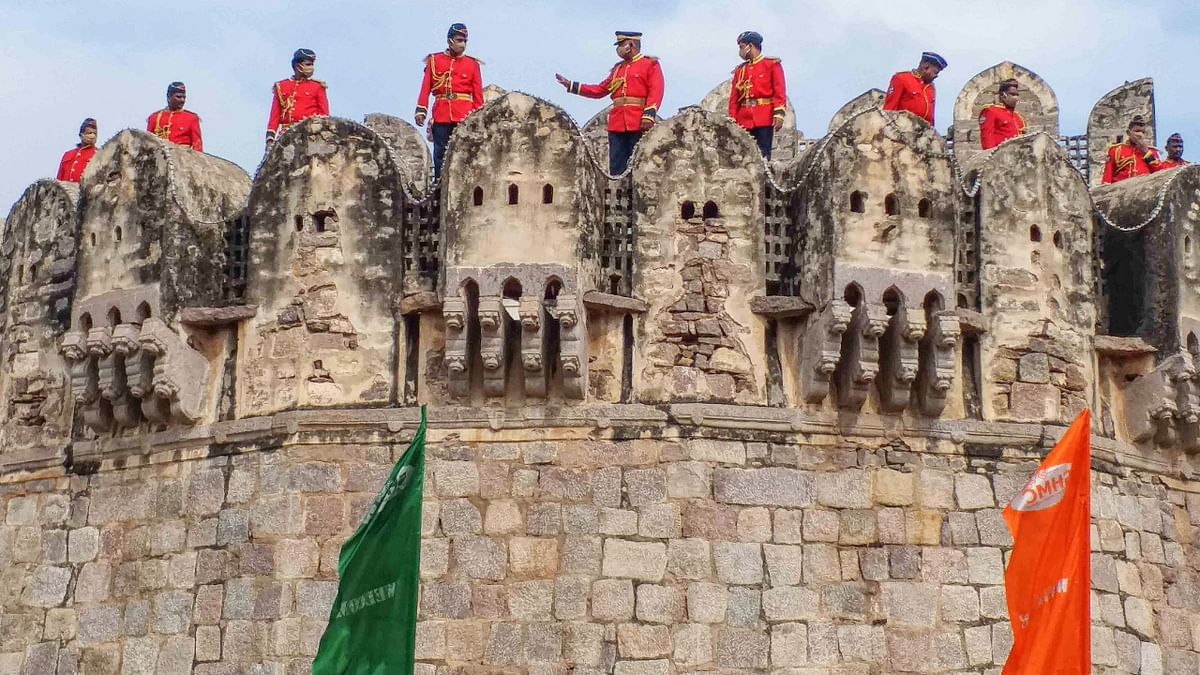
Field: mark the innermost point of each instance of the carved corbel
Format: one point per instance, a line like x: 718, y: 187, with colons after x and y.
x: 935, y: 374
x: 1187, y: 402
x: 899, y: 358
x: 114, y: 386
x: 533, y: 355
x: 822, y: 349
x: 180, y: 373
x: 572, y: 341
x: 85, y: 386
x: 454, y: 314
x: 859, y: 363
x: 1150, y: 404
x: 491, y: 344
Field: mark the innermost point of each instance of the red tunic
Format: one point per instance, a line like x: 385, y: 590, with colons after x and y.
x: 74, y: 162
x: 998, y: 124
x: 456, y: 84
x: 758, y: 93
x: 181, y: 127
x: 1125, y: 162
x: 296, y: 100
x: 1169, y: 164
x: 907, y: 91
x: 636, y: 88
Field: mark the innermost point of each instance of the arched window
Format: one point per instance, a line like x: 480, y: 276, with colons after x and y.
x: 1035, y: 233
x: 514, y: 194
x: 891, y: 205
x: 711, y: 210
x: 858, y: 202
x: 891, y: 300
x: 547, y: 194
x: 853, y: 294
x: 1058, y: 239
x: 299, y: 223
x: 33, y: 270
x: 143, y: 312
x: 512, y: 289
x: 114, y: 317
x: 478, y: 196
x: 924, y: 208
x: 85, y: 322
x: 117, y: 233
x: 687, y: 210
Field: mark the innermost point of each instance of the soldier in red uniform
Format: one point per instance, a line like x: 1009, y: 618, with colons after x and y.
x: 635, y: 84
x: 1134, y: 157
x: 75, y: 160
x: 757, y: 95
x: 173, y: 123
x: 457, y: 86
x: 298, y: 97
x: 913, y: 90
x: 999, y: 122
x: 1174, y: 158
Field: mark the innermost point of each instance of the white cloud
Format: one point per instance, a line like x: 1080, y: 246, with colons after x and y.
x: 59, y: 64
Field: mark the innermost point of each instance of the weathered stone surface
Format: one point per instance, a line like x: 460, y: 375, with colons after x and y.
x: 765, y: 487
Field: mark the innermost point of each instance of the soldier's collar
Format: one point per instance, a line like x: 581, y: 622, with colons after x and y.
x: 635, y: 57
x: 756, y: 59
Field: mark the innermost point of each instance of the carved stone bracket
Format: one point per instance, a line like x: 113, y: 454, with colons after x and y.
x: 533, y: 347
x: 936, y: 372
x: 1151, y: 406
x: 822, y: 350
x: 859, y: 364
x: 454, y: 312
x: 899, y: 347
x: 120, y: 374
x: 492, y: 341
x: 537, y: 307
x: 572, y: 337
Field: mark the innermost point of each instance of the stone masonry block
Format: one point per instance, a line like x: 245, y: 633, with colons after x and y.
x: 645, y: 561
x: 893, y: 488
x: 973, y: 492
x: 763, y: 487
x: 612, y: 600
x: 845, y: 489
x: 706, y: 602
x: 738, y: 563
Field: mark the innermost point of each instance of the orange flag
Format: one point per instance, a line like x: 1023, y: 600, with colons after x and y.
x: 1049, y: 576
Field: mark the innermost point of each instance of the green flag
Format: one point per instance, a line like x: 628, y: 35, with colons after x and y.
x: 373, y: 623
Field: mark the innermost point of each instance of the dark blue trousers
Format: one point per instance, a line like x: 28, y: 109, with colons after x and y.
x: 764, y: 136
x: 441, y: 138
x: 620, y: 149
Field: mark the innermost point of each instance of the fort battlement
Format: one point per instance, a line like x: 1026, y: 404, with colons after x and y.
x: 714, y: 414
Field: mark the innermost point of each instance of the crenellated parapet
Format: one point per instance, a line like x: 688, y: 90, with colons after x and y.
x: 1110, y: 117
x: 151, y: 248
x: 878, y: 206
x: 1038, y: 105
x: 1147, y: 229
x: 522, y: 203
x: 874, y: 275
x: 37, y: 284
x: 698, y: 262
x: 1034, y: 279
x: 327, y: 247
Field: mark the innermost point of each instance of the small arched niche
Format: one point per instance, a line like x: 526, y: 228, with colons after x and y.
x: 547, y: 194
x: 891, y: 205
x: 858, y: 202
x: 711, y: 210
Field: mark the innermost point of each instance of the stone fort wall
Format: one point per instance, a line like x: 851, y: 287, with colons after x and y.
x: 718, y: 416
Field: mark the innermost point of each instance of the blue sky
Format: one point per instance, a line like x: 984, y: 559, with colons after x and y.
x: 60, y: 62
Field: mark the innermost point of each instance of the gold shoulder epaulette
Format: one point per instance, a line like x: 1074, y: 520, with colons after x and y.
x: 776, y: 59
x: 475, y: 59
x: 322, y: 83
x: 650, y: 58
